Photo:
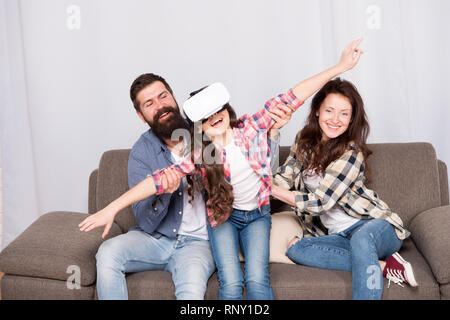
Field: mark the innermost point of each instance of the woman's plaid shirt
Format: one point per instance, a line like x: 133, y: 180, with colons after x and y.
x: 251, y: 137
x: 342, y: 183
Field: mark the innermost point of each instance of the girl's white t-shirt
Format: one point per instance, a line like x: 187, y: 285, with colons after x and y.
x: 335, y: 219
x: 245, y: 181
x: 193, y: 222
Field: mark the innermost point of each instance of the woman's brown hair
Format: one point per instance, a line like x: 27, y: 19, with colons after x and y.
x: 315, y: 153
x: 220, y: 192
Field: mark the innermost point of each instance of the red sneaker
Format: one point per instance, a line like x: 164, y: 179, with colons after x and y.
x: 398, y: 270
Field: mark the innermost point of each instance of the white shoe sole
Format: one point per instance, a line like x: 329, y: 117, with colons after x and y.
x: 409, y: 273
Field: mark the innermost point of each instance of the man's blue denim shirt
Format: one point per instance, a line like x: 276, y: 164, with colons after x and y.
x: 161, y: 215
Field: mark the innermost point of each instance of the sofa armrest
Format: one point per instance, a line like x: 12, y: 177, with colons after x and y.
x: 53, y: 247
x: 430, y: 231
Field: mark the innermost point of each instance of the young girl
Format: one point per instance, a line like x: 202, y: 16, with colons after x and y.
x: 327, y: 168
x: 238, y: 187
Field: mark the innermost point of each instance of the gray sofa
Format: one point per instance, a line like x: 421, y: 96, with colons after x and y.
x: 52, y: 259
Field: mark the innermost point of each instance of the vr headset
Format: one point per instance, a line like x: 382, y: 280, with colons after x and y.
x: 206, y: 102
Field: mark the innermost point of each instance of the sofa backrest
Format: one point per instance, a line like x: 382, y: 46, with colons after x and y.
x: 112, y: 181
x: 405, y: 175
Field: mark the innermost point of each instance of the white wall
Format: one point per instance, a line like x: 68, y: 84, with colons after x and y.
x: 77, y: 68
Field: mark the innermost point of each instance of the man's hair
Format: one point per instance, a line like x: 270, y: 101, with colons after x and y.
x: 143, y: 81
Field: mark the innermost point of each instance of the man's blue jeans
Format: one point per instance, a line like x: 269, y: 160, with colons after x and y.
x: 250, y: 230
x: 188, y: 259
x: 356, y: 249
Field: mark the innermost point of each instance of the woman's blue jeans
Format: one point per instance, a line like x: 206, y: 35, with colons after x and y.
x: 356, y: 249
x: 251, y: 231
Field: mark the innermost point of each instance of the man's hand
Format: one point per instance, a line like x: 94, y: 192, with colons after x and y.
x: 171, y: 180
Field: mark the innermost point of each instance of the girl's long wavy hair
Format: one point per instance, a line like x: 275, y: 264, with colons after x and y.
x: 220, y: 192
x: 317, y: 155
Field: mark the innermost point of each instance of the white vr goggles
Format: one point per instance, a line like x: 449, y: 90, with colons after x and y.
x: 206, y: 102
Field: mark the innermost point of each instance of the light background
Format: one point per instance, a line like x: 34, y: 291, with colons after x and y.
x: 66, y: 69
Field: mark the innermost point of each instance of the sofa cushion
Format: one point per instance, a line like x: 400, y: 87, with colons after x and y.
x: 430, y: 231
x: 29, y: 288
x: 285, y: 226
x: 51, y: 245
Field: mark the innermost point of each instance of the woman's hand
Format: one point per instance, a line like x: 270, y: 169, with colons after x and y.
x: 104, y: 217
x: 350, y: 55
x: 283, y: 194
x: 349, y: 58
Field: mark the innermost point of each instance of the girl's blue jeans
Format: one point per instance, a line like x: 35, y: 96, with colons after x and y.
x: 357, y: 249
x: 251, y: 231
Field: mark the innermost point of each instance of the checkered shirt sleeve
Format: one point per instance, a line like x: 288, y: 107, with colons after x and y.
x: 262, y: 120
x: 185, y: 167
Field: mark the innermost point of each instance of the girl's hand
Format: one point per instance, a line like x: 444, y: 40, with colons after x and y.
x: 281, y: 115
x: 171, y: 180
x: 104, y: 217
x: 351, y: 54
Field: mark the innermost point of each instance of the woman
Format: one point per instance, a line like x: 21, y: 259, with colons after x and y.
x: 352, y: 227
x: 238, y: 185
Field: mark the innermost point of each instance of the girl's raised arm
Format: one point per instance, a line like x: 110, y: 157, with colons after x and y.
x: 349, y: 58
x: 154, y: 184
x: 295, y: 97
x: 105, y: 217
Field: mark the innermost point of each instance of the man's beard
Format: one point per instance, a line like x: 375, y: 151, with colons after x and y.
x: 163, y: 130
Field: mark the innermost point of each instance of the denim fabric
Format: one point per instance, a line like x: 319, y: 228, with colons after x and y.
x: 356, y: 249
x: 251, y: 231
x: 188, y: 259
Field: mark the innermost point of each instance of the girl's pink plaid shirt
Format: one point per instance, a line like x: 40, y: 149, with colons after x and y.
x: 251, y: 137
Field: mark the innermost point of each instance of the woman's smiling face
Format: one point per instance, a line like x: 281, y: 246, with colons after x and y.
x: 334, y: 116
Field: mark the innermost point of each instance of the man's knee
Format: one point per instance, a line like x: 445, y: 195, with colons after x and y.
x: 108, y: 253
x: 191, y: 280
